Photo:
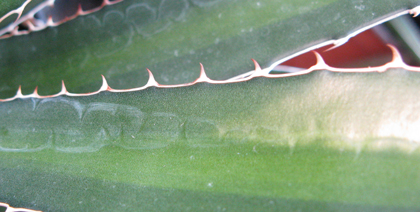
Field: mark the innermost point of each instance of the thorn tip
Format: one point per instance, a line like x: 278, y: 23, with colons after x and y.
x: 257, y: 66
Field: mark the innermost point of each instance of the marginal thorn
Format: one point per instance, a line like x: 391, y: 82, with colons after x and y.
x: 319, y: 59
x: 202, y: 71
x: 258, y: 72
x: 257, y: 66
x: 63, y: 87
x: 203, y: 76
x: 79, y: 9
x: 151, y: 81
x: 105, y: 85
x: 50, y: 21
x: 396, y: 56
x: 35, y: 91
x: 320, y: 63
x: 19, y: 91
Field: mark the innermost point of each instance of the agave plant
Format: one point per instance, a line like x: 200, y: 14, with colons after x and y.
x: 183, y: 119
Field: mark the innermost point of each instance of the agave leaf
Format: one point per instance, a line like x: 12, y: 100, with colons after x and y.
x: 233, y: 146
x: 263, y: 144
x: 172, y: 37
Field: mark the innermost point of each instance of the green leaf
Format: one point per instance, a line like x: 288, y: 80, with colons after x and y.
x: 298, y: 145
x: 322, y: 141
x: 172, y: 37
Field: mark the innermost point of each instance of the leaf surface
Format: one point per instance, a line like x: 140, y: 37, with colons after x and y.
x: 298, y: 141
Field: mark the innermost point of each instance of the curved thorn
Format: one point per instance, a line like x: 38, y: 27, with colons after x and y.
x: 151, y: 82
x: 396, y: 62
x: 320, y: 63
x: 396, y: 56
x: 79, y: 9
x: 257, y: 66
x: 105, y: 85
x: 203, y: 76
x: 318, y: 57
x: 35, y: 93
x: 202, y: 71
x: 19, y: 92
x: 258, y: 72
